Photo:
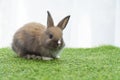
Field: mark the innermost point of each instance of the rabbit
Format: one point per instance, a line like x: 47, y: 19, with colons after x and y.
x: 36, y: 41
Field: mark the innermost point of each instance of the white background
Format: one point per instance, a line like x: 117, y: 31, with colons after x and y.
x: 92, y: 22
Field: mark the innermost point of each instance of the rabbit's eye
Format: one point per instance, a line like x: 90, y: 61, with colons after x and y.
x: 50, y: 36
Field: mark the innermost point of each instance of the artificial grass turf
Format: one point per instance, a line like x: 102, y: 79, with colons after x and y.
x: 100, y: 63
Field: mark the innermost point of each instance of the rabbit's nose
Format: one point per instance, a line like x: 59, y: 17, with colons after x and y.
x: 59, y: 42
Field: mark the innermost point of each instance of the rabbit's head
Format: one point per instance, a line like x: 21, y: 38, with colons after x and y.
x: 53, y: 35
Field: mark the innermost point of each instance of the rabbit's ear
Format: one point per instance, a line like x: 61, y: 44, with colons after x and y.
x: 50, y: 22
x: 62, y: 24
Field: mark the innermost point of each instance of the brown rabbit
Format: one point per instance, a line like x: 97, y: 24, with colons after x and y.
x: 34, y: 40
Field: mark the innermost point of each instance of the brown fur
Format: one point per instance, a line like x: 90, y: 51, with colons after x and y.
x: 36, y: 39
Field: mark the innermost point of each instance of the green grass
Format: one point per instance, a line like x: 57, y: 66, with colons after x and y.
x: 100, y: 63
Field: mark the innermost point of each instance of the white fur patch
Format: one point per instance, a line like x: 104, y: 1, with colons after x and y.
x: 47, y: 58
x: 59, y: 41
x: 57, y: 57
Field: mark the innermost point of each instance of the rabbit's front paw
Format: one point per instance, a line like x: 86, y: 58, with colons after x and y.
x: 47, y: 58
x: 57, y: 57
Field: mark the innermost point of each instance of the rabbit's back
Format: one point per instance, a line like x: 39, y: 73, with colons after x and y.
x: 29, y: 31
x: 26, y: 38
x: 34, y: 29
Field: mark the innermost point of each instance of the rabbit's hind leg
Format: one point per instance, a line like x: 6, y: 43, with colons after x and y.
x: 32, y: 56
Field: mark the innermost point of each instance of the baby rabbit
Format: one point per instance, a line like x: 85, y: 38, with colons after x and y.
x: 37, y: 41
